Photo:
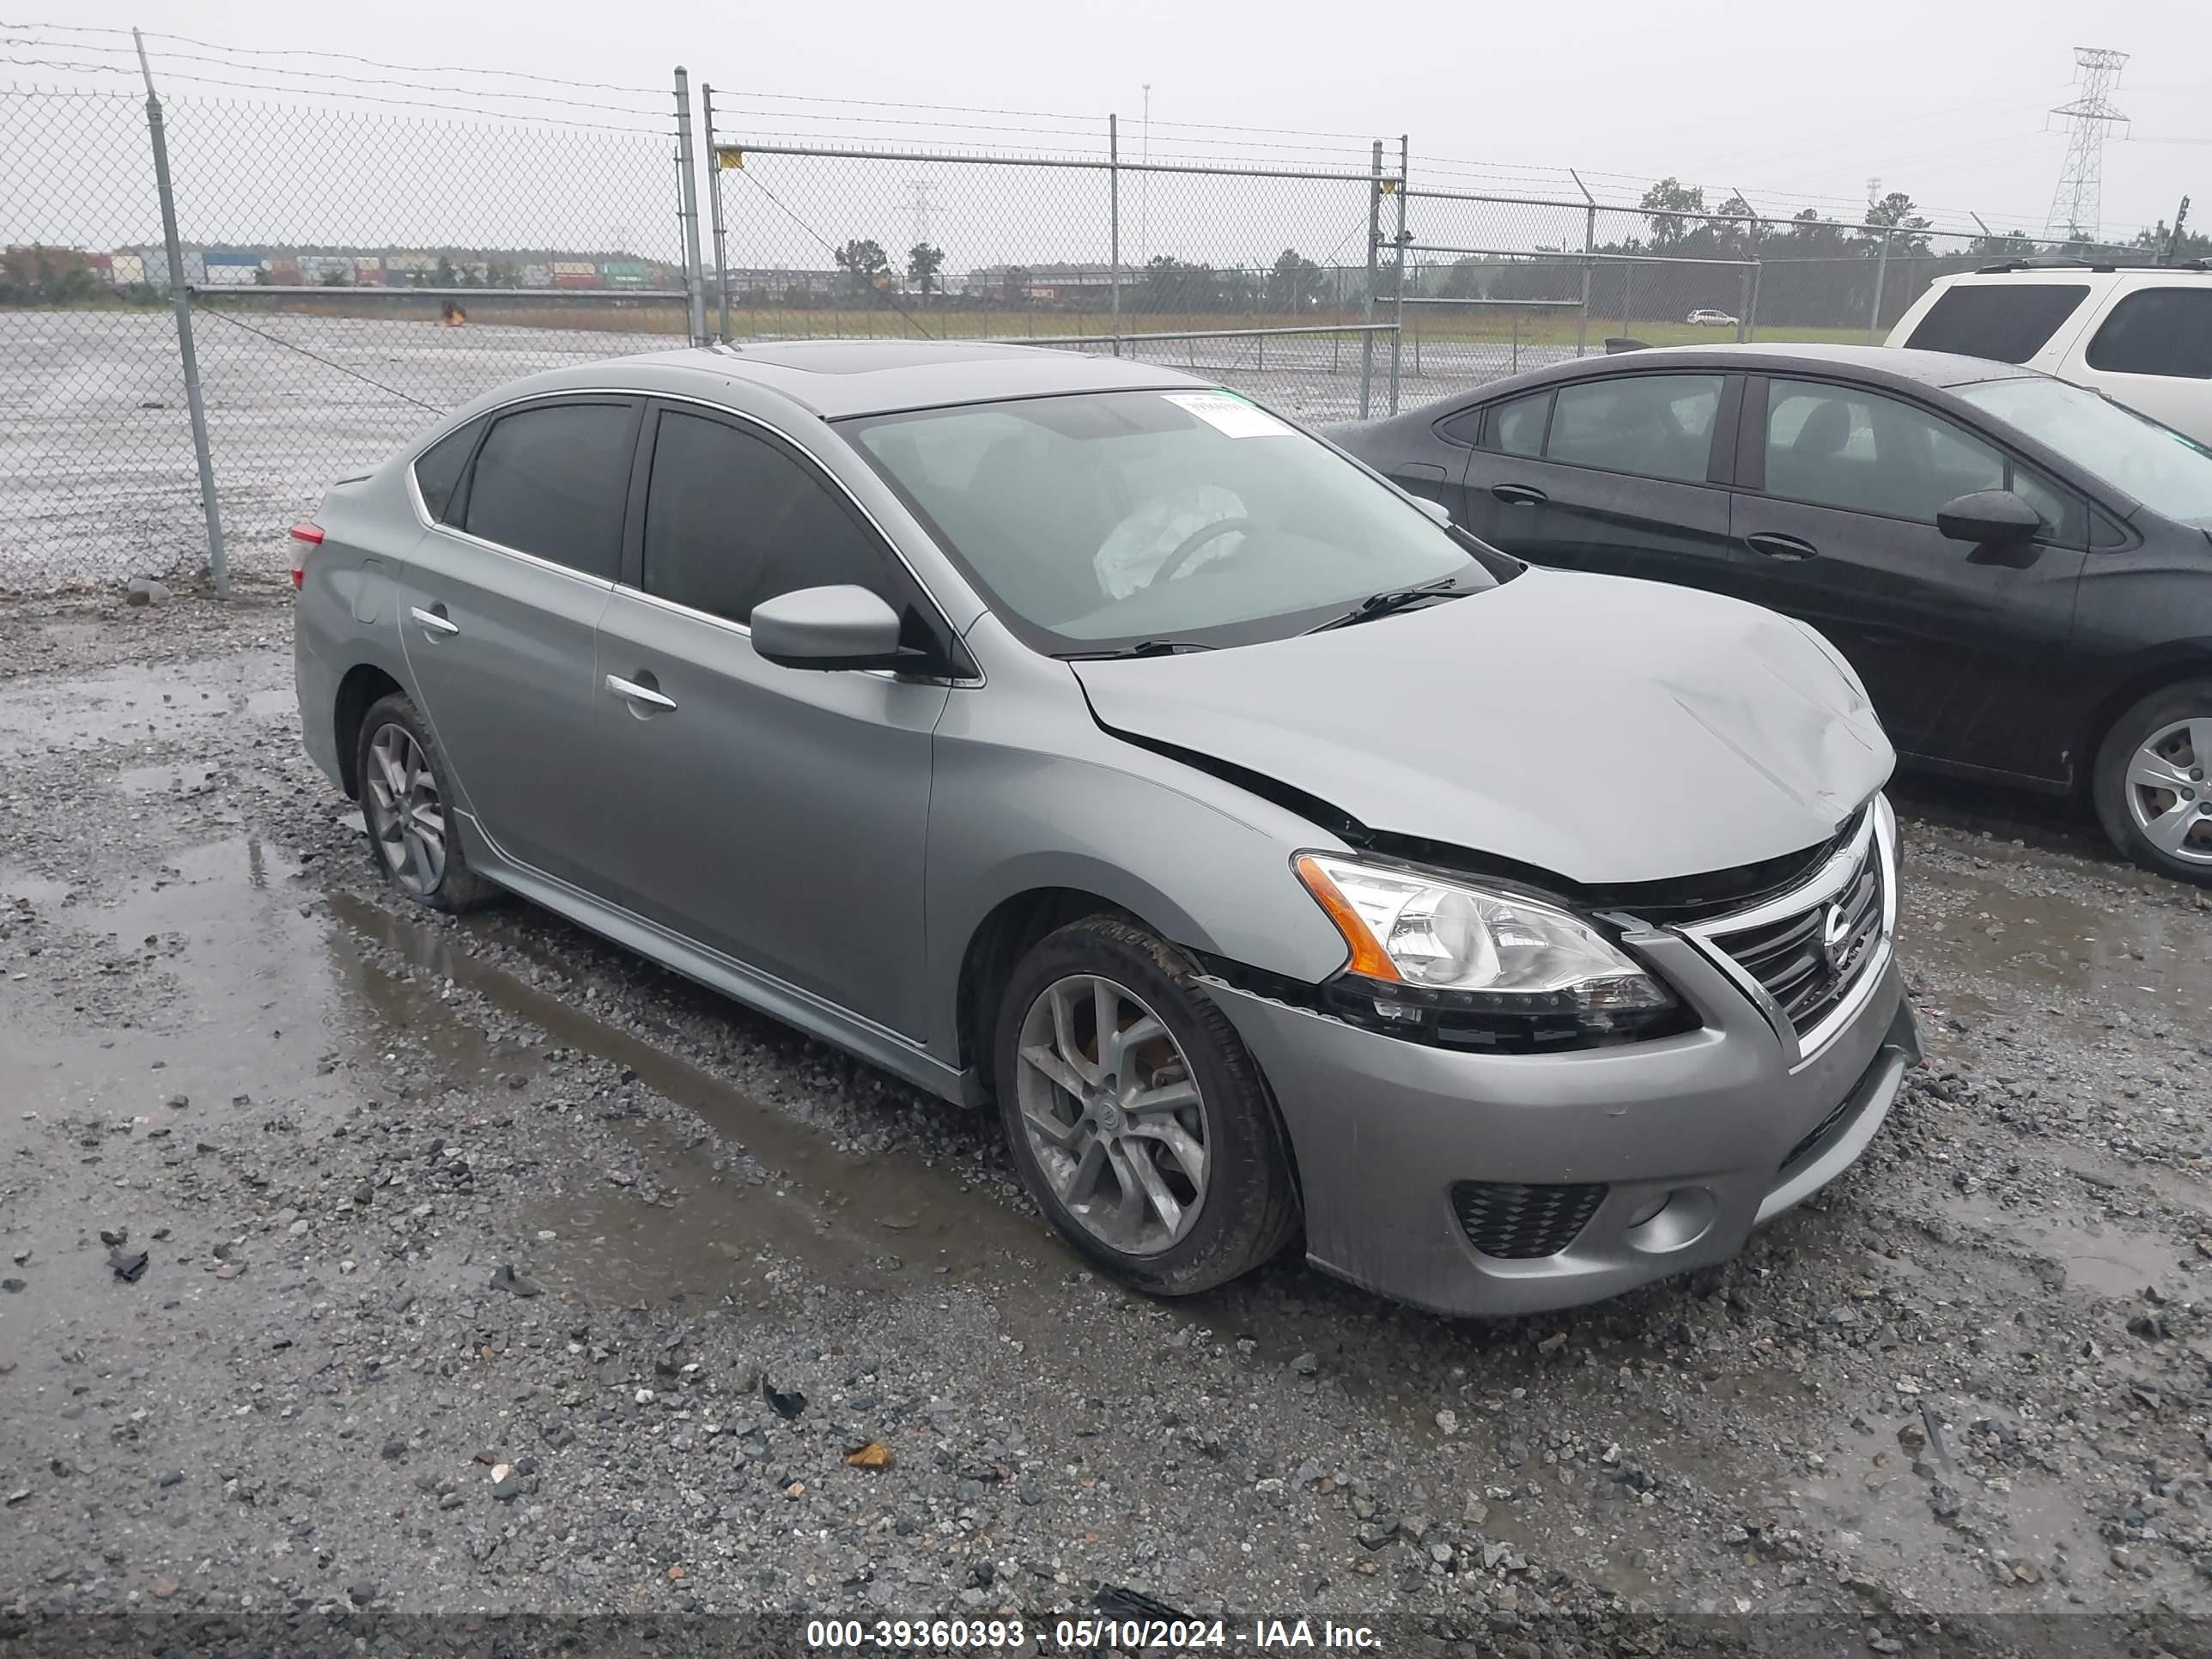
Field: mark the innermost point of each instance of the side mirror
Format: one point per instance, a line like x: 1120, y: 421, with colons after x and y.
x: 827, y: 628
x: 1989, y: 517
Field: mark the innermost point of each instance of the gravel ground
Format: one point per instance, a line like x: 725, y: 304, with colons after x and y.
x: 488, y: 1270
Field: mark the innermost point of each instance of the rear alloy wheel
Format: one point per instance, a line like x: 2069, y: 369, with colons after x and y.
x: 2154, y: 782
x: 1137, y: 1117
x: 403, y: 796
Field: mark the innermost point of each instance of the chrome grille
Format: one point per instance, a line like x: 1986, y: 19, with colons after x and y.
x: 1809, y: 952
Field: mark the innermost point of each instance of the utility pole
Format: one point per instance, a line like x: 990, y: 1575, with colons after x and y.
x: 2075, y: 204
x: 1144, y: 190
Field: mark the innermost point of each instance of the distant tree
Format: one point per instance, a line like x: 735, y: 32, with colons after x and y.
x: 1895, y: 211
x: 1014, y: 282
x: 1173, y: 285
x: 2007, y: 245
x: 337, y: 277
x: 862, y: 262
x: 1664, y: 204
x: 923, y: 262
x: 444, y: 276
x: 2192, y: 244
x: 1293, y: 282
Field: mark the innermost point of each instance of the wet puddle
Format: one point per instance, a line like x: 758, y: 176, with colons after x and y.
x: 2099, y: 1257
x: 148, y: 704
x: 1980, y: 927
x: 853, y: 1220
x: 271, y: 986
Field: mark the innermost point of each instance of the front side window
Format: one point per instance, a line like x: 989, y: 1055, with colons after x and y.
x: 1847, y: 447
x: 733, y: 518
x: 438, y: 469
x: 552, y: 481
x: 2157, y: 330
x: 2010, y: 322
x: 1107, y: 519
x: 2167, y: 472
x: 1655, y: 426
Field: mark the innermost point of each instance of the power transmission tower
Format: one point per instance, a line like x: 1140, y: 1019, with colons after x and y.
x: 2075, y: 205
x: 921, y: 203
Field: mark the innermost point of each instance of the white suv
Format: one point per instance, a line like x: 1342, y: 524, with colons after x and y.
x: 2141, y: 334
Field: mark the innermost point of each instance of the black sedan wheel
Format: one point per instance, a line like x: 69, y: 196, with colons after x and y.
x: 2154, y: 782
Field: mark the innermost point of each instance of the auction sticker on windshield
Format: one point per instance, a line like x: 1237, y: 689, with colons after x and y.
x: 1233, y: 416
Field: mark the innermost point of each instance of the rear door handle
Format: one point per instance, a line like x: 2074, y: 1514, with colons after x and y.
x: 1782, y: 547
x: 1519, y: 495
x: 436, y: 624
x: 644, y: 695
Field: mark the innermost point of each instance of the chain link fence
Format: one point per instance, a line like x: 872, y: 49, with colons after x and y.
x: 1257, y: 276
x: 351, y: 275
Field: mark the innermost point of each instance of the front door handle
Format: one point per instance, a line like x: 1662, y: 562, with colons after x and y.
x: 436, y: 624
x: 1519, y: 495
x: 643, y: 695
x: 1782, y: 547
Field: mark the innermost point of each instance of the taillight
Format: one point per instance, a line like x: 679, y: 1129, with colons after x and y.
x: 307, y: 535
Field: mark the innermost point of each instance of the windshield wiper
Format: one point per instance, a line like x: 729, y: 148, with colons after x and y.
x: 1391, y: 600
x: 1141, y: 649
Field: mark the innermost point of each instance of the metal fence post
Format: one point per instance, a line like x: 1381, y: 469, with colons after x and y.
x: 694, y: 268
x: 1114, y: 217
x: 714, y: 208
x: 1744, y: 302
x: 1880, y: 270
x: 1367, y: 302
x: 1589, y: 263
x: 180, y: 301
x: 1750, y: 305
x: 1398, y: 313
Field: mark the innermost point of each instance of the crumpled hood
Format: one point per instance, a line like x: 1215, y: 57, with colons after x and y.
x: 1604, y: 729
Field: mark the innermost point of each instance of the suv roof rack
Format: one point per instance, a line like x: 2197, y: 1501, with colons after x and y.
x: 2041, y: 261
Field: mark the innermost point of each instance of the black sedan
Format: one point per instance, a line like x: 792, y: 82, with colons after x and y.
x: 2020, y: 570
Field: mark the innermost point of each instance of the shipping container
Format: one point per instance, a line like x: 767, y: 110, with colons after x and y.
x: 537, y: 275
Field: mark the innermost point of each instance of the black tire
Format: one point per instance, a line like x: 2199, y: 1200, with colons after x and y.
x: 457, y: 887
x: 1250, y: 1207
x: 2110, y: 790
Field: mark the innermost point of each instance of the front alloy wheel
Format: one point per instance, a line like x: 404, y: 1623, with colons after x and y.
x: 1138, y: 1119
x: 1112, y: 1114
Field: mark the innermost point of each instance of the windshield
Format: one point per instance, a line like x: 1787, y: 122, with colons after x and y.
x: 1107, y: 519
x: 2164, y: 470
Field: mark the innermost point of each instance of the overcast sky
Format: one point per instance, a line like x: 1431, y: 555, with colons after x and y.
x: 1944, y: 98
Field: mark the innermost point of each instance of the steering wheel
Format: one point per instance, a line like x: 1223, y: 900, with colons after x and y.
x: 1190, y: 544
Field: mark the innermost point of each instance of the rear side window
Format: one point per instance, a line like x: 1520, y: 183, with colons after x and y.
x: 551, y: 482
x: 2157, y: 330
x: 1517, y: 428
x: 2010, y: 322
x: 732, y: 518
x: 1655, y: 426
x: 438, y: 469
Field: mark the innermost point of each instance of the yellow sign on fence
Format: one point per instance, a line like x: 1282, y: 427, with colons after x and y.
x: 728, y: 157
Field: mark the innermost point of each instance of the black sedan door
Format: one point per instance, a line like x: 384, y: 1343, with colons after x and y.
x: 1963, y: 649
x: 1619, y: 474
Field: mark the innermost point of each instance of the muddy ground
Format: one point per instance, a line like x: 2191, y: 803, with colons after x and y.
x: 486, y: 1267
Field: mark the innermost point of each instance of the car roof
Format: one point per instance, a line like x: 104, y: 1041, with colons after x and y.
x: 2077, y: 272
x: 836, y: 379
x: 1894, y: 366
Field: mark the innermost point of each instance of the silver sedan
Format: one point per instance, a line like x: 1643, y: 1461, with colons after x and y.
x: 1068, y: 734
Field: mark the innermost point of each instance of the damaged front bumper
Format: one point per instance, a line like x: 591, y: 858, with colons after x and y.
x: 1498, y: 1184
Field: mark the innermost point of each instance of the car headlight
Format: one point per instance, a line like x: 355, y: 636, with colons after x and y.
x: 1468, y: 947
